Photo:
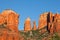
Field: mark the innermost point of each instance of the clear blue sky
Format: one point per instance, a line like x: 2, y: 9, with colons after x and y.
x: 30, y: 8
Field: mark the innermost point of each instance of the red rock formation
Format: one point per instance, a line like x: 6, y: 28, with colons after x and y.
x: 42, y: 20
x: 52, y: 29
x: 52, y: 21
x: 57, y: 22
x: 12, y: 22
x: 27, y: 24
x: 2, y: 19
x: 9, y: 19
x: 9, y: 24
x: 12, y: 19
x: 34, y: 26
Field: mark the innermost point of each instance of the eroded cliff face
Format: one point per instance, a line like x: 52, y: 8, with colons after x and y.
x: 51, y: 21
x: 27, y: 24
x: 42, y: 20
x: 57, y: 22
x: 9, y: 25
x: 11, y: 19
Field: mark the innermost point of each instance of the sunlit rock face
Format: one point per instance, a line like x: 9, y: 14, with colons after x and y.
x: 34, y: 26
x: 42, y: 20
x: 11, y: 18
x: 9, y: 25
x: 12, y: 22
x: 2, y: 19
x: 57, y: 22
x: 27, y: 24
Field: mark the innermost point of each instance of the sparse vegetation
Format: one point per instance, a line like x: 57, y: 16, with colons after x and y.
x: 36, y: 35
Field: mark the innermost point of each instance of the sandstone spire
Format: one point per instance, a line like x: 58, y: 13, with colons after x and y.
x: 27, y: 24
x: 34, y: 26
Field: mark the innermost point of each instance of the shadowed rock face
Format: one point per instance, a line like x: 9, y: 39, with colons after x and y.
x: 27, y: 24
x: 52, y: 21
x: 34, y: 26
